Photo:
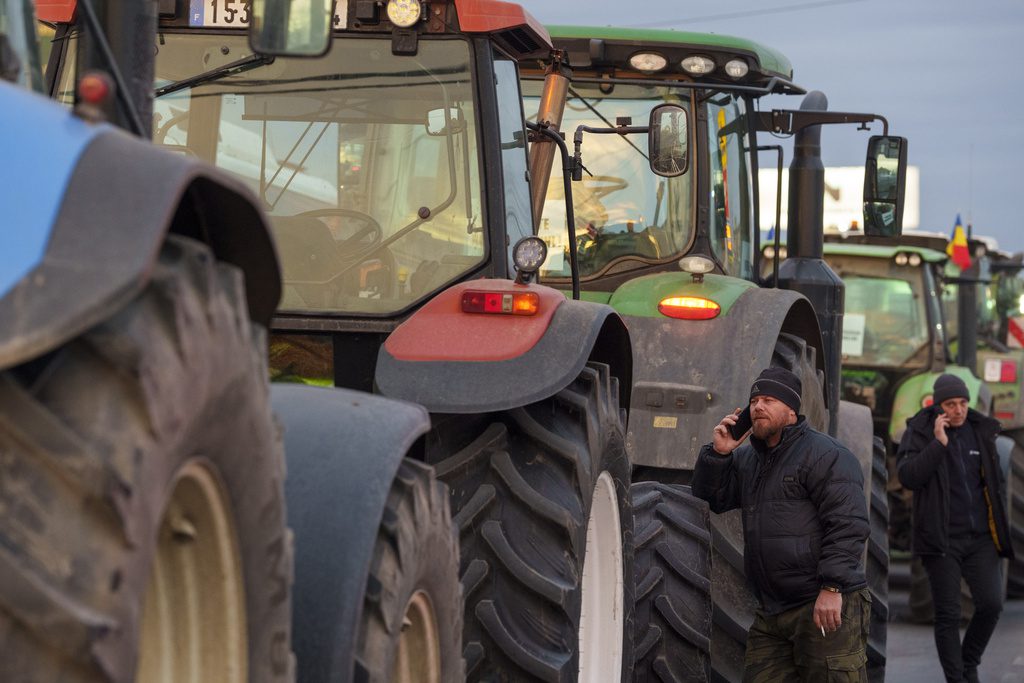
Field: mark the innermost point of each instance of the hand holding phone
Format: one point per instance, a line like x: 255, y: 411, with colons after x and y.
x: 743, y: 424
x: 941, y: 422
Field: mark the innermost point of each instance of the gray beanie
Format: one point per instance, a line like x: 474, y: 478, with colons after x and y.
x: 949, y: 386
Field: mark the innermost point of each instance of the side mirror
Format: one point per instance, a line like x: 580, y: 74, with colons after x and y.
x: 885, y: 181
x: 439, y: 123
x: 667, y: 140
x: 291, y: 28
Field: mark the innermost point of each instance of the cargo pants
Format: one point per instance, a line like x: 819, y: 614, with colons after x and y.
x: 789, y: 647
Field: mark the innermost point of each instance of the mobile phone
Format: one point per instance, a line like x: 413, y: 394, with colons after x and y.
x: 742, y: 426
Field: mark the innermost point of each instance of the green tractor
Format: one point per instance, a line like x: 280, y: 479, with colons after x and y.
x: 677, y: 253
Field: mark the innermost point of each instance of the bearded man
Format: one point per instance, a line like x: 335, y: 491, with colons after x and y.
x: 805, y: 523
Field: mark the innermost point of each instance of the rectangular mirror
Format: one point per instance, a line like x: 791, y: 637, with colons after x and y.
x: 667, y: 140
x: 885, y: 179
x: 291, y: 28
x: 441, y: 123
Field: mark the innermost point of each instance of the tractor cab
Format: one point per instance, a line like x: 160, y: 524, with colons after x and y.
x: 389, y: 166
x: 631, y: 221
x: 894, y: 326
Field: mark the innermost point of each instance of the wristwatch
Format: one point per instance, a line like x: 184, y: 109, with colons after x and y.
x: 831, y: 589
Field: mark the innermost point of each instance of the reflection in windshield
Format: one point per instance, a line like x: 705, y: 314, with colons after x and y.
x: 885, y: 323
x: 622, y: 209
x: 370, y: 209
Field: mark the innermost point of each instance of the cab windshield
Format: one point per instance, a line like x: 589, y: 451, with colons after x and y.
x: 625, y: 214
x: 366, y: 162
x: 886, y: 319
x: 19, y: 51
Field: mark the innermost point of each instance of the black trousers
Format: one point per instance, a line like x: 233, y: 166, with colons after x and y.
x: 975, y: 559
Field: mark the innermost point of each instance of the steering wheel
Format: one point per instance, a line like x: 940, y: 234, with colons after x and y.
x: 165, y: 128
x: 601, y: 185
x: 359, y: 244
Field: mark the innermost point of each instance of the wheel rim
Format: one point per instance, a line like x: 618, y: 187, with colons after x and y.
x: 419, y: 647
x: 193, y: 618
x: 601, y: 614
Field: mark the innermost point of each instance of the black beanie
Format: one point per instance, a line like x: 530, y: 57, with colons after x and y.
x: 947, y: 387
x: 778, y: 383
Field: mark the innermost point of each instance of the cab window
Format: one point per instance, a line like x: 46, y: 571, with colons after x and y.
x: 731, y: 224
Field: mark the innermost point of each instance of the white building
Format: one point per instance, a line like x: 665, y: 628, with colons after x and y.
x: 844, y: 190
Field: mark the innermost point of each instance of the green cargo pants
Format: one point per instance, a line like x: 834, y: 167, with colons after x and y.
x: 789, y: 647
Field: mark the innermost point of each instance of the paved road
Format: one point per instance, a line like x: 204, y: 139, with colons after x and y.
x: 912, y: 658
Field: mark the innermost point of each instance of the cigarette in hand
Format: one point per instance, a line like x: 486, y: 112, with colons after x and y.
x: 822, y: 631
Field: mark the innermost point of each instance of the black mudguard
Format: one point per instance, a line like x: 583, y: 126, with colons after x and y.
x: 342, y: 450
x: 579, y: 331
x: 123, y: 197
x: 689, y: 374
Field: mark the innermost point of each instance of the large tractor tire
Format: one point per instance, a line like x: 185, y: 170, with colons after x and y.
x: 733, y: 604
x: 922, y: 611
x: 673, y: 585
x: 877, y: 566
x: 541, y: 499
x: 1015, y: 494
x: 141, y: 503
x: 411, y: 630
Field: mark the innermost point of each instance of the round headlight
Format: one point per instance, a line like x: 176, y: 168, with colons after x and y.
x: 696, y: 265
x: 698, y: 64
x: 783, y: 253
x: 901, y: 259
x: 914, y: 259
x: 404, y: 13
x: 769, y: 252
x: 648, y: 62
x: 736, y: 68
x: 529, y: 254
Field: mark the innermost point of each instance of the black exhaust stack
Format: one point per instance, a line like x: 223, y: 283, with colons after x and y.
x: 804, y: 269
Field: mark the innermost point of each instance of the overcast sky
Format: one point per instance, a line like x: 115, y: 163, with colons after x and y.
x: 948, y: 74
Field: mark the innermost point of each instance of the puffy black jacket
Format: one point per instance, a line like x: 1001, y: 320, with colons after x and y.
x: 923, y: 467
x: 805, y: 519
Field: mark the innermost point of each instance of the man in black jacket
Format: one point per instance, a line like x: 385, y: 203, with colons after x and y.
x: 948, y: 458
x: 805, y: 523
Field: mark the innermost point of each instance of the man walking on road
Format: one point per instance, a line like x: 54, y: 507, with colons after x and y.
x: 805, y: 523
x: 948, y: 458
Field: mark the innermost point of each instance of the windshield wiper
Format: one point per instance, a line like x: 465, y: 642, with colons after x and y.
x: 231, y: 69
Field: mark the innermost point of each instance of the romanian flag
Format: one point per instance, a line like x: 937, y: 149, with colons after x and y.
x: 957, y: 247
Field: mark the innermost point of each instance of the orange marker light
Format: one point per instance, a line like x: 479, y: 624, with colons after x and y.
x: 689, y: 308
x: 508, y: 303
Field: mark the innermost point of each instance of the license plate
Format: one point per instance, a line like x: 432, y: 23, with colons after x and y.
x: 236, y: 13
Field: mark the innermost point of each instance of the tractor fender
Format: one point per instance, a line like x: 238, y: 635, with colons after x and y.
x: 97, y: 215
x: 342, y: 450
x: 687, y: 374
x: 467, y: 363
x: 912, y: 391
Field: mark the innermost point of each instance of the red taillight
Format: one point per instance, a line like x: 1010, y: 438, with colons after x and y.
x: 1001, y: 415
x: 689, y: 308
x: 1008, y: 372
x: 508, y: 303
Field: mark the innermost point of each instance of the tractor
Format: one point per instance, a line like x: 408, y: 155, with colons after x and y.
x: 393, y: 168
x: 678, y: 254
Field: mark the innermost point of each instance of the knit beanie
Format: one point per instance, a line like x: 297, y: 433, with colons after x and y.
x: 778, y: 383
x: 947, y: 387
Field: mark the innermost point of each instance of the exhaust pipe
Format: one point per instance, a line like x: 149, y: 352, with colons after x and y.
x: 804, y: 269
